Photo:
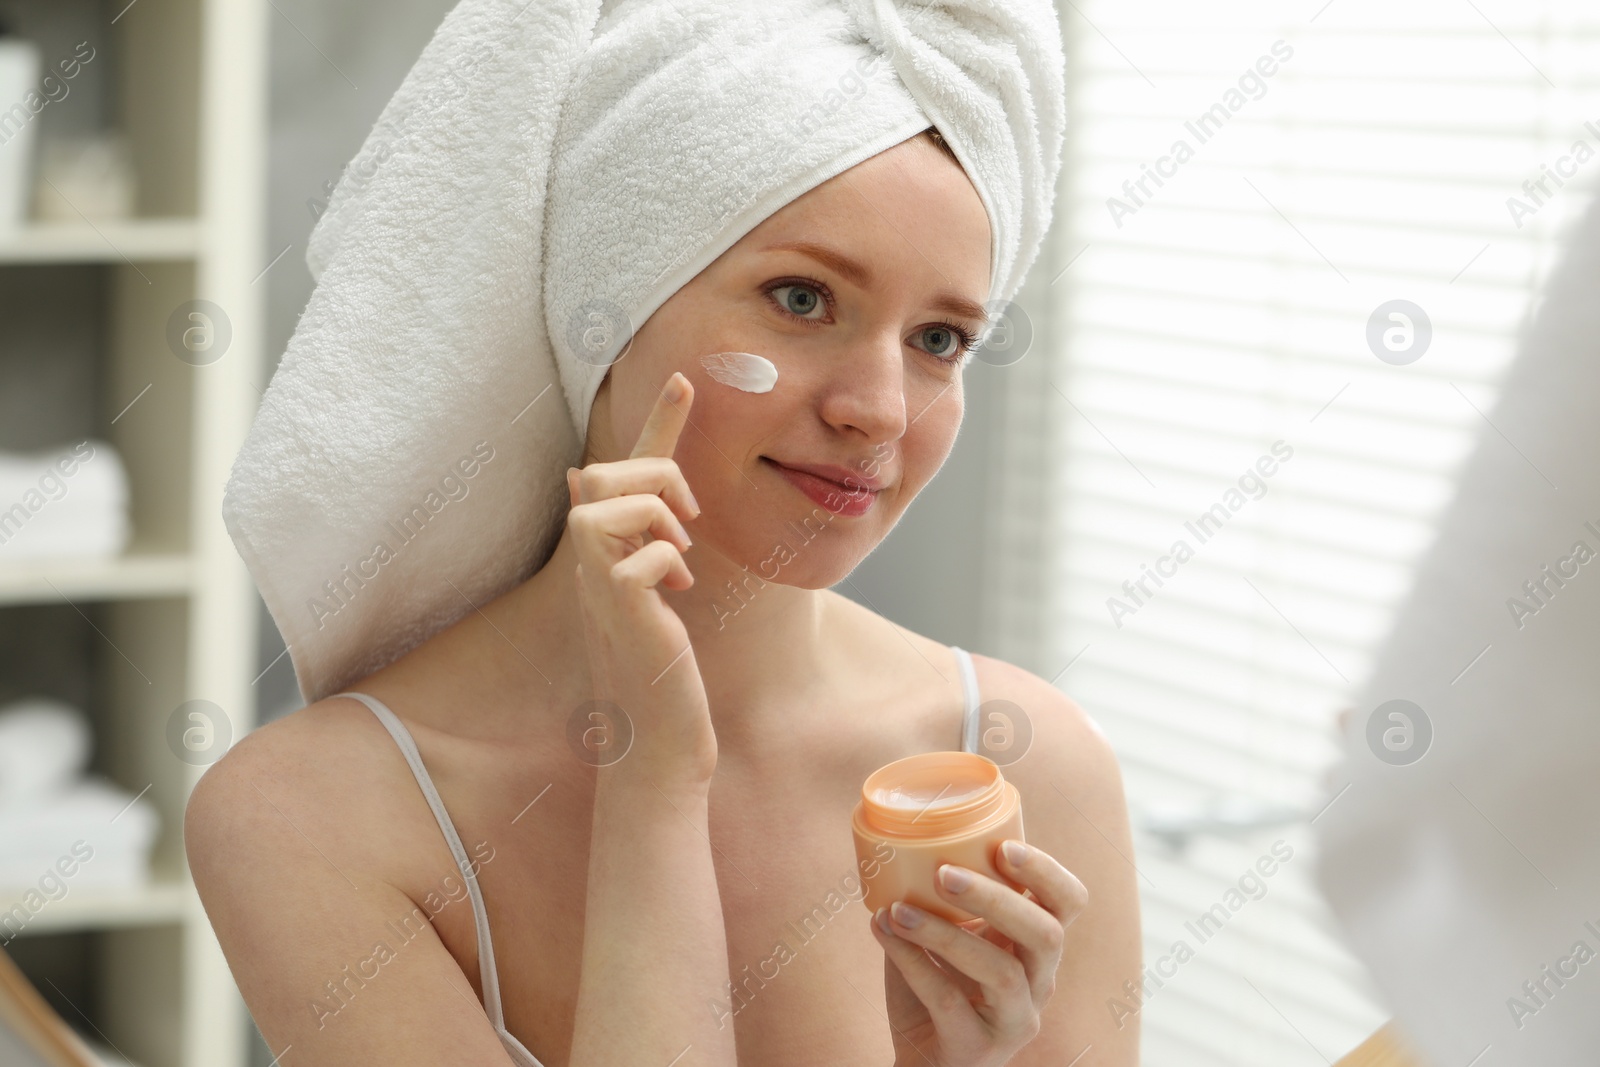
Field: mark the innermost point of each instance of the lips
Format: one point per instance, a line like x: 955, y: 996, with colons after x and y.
x: 828, y: 486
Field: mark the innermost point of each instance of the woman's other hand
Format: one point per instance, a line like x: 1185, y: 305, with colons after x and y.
x: 977, y: 999
x: 639, y: 652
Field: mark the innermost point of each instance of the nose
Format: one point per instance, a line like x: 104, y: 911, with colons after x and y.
x: 867, y: 392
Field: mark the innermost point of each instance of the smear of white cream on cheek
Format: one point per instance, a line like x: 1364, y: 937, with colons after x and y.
x: 742, y: 370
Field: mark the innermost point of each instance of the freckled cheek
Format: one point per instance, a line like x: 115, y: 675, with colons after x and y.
x: 920, y: 453
x: 722, y: 439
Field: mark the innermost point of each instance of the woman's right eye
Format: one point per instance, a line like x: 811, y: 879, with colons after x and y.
x: 798, y: 300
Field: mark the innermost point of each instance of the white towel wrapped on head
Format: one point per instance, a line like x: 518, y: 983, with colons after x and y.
x: 546, y: 177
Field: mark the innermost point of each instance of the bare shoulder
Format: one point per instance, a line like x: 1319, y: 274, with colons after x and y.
x: 1060, y: 741
x: 270, y: 794
x: 304, y: 845
x: 1061, y: 762
x: 295, y: 750
x: 1063, y: 748
x: 1074, y: 809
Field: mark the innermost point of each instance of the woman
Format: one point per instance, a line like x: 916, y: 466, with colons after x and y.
x: 646, y: 911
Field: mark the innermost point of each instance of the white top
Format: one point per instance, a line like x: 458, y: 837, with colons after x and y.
x: 489, y: 978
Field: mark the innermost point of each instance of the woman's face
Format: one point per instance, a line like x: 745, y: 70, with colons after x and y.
x: 865, y: 326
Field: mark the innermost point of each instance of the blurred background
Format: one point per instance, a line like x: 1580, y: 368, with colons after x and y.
x: 1295, y: 244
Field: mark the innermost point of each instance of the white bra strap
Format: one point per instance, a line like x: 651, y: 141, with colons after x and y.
x: 969, y: 686
x: 488, y: 977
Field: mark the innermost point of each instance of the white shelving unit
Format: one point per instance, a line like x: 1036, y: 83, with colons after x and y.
x: 191, y: 94
x: 143, y: 240
x: 134, y: 575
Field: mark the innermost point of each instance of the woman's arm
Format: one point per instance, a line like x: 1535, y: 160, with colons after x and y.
x: 1075, y: 810
x: 335, y: 962
x: 655, y: 951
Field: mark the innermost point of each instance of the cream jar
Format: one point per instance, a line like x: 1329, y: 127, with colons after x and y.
x: 930, y: 809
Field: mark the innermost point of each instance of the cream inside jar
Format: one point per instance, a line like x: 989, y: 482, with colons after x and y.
x: 921, y: 796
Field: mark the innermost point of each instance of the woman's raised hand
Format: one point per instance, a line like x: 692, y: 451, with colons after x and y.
x: 979, y: 999
x: 639, y: 652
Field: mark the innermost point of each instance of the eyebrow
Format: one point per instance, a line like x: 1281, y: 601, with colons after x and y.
x: 858, y: 274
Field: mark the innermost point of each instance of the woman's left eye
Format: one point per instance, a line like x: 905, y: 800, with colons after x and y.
x: 947, y: 341
x: 798, y: 300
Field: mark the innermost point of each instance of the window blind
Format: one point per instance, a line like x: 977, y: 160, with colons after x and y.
x: 1246, y: 441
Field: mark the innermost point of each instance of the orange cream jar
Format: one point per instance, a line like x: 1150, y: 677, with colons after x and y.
x: 929, y: 809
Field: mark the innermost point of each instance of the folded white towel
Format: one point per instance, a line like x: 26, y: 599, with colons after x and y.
x: 66, y: 501
x: 70, y: 531
x: 44, y: 748
x: 112, y: 824
x: 108, y: 867
x: 545, y: 178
